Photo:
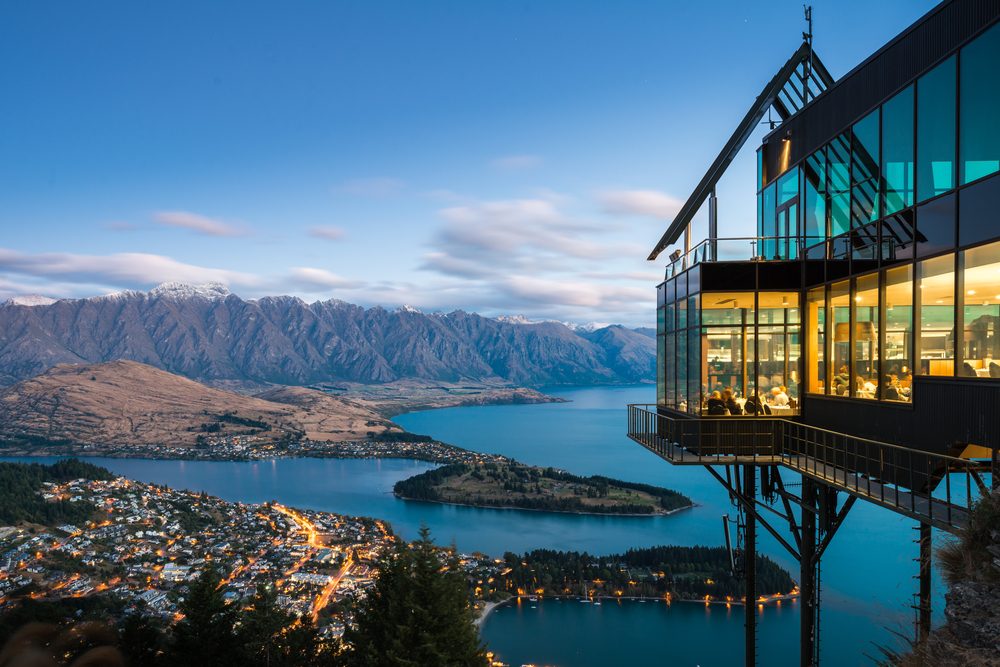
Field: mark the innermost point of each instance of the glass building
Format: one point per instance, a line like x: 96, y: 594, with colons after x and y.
x: 875, y: 271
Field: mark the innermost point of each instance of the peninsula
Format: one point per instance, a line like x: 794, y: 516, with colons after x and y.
x: 508, y: 484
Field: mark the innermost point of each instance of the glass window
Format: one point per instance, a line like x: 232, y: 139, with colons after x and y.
x: 977, y: 212
x: 980, y: 131
x: 768, y: 229
x: 732, y: 308
x: 936, y: 335
x: 838, y: 359
x: 897, y: 151
x: 866, y: 324
x: 897, y: 353
x: 682, y: 403
x: 661, y: 378
x: 981, y: 310
x: 670, y: 370
x: 816, y: 340
x: 865, y: 170
x: 814, y: 194
x: 696, y: 390
x: 936, y: 226
x: 839, y: 184
x: 936, y: 131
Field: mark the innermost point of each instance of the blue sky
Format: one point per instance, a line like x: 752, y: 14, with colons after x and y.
x: 501, y: 157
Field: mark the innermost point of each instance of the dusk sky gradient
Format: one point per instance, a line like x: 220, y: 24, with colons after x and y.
x: 498, y: 157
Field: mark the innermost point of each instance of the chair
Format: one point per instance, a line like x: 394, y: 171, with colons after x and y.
x: 994, y: 369
x: 968, y: 370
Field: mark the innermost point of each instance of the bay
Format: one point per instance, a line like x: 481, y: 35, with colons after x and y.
x: 867, y: 584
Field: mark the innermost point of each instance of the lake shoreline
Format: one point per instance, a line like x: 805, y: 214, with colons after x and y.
x: 651, y: 515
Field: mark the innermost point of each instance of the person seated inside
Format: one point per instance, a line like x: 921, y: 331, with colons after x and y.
x: 890, y: 391
x: 871, y: 385
x: 841, y: 381
x: 779, y: 397
x: 755, y: 406
x: 730, y: 401
x: 715, y: 404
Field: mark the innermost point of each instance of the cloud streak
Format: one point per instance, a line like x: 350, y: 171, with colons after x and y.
x: 646, y: 203
x: 328, y: 233
x: 516, y: 162
x: 197, y: 223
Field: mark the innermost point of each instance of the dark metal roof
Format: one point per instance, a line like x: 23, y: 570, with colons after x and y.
x: 787, y: 92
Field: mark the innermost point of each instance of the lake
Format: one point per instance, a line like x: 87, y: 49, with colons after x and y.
x: 867, y: 571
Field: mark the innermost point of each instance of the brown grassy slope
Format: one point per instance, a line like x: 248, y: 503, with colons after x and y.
x: 128, y: 403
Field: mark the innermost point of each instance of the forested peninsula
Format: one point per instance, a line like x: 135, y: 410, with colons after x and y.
x: 508, y: 484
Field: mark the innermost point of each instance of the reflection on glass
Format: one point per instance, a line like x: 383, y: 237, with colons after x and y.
x: 981, y: 310
x: 897, y: 151
x: 839, y: 184
x: 838, y: 365
x: 865, y: 170
x: 897, y: 364
x: 936, y: 336
x: 866, y: 318
x: 816, y: 342
x: 936, y: 131
x: 814, y: 206
x: 980, y: 132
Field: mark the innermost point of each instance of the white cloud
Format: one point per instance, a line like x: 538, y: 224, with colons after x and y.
x: 198, y: 223
x: 650, y: 203
x: 328, y: 232
x: 130, y: 269
x: 310, y: 278
x: 371, y: 187
x: 516, y: 162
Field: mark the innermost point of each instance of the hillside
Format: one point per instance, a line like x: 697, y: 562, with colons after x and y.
x: 211, y: 335
x: 125, y: 403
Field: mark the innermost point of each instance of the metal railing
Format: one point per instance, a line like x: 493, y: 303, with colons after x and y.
x: 736, y: 249
x: 926, y: 486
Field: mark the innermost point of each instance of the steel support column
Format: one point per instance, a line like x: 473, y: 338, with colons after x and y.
x: 924, y: 606
x: 750, y: 565
x: 807, y: 575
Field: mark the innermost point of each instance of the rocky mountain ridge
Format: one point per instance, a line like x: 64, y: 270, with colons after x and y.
x: 209, y: 334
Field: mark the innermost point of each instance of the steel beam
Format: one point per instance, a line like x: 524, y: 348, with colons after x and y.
x: 750, y: 566
x: 807, y: 576
x: 924, y: 606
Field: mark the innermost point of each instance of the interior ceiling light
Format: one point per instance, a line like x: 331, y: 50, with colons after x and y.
x: 971, y: 292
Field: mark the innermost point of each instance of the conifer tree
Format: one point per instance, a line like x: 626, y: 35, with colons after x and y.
x: 206, y: 635
x: 418, y: 614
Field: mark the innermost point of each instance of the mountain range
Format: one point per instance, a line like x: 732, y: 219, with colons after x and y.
x: 206, y: 333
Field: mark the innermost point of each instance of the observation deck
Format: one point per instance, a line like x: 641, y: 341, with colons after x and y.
x: 932, y: 488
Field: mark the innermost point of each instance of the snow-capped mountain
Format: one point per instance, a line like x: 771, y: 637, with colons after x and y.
x: 31, y: 300
x: 206, y: 333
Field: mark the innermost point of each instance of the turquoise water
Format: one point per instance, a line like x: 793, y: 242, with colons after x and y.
x: 867, y: 584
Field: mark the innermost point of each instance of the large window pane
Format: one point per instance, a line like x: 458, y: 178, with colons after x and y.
x: 682, y: 368
x: 816, y: 340
x: 768, y: 229
x: 814, y: 192
x: 839, y: 184
x: 936, y: 226
x: 936, y: 335
x: 981, y: 347
x: 661, y: 378
x: 727, y: 308
x: 695, y: 387
x: 838, y: 359
x: 980, y: 103
x: 866, y: 319
x: 722, y: 351
x: 670, y: 370
x: 897, y: 151
x: 865, y: 170
x: 897, y: 355
x: 936, y: 131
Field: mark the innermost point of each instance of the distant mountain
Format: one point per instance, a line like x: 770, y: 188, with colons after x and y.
x: 208, y: 334
x: 124, y: 403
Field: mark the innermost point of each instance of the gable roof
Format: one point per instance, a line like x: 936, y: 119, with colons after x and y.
x: 787, y: 92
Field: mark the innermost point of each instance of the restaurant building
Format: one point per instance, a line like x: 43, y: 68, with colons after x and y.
x: 855, y: 338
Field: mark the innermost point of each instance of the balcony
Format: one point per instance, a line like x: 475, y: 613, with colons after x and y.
x: 736, y: 249
x: 929, y: 487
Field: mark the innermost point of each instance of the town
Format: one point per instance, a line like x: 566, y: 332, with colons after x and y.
x: 148, y: 542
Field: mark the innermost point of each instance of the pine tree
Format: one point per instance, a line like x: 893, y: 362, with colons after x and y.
x: 140, y: 641
x: 206, y: 635
x: 418, y: 614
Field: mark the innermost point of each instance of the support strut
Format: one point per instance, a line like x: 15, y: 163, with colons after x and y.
x: 807, y: 576
x: 924, y: 606
x: 750, y: 566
